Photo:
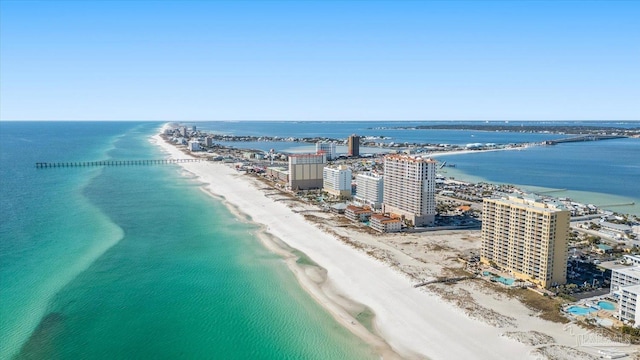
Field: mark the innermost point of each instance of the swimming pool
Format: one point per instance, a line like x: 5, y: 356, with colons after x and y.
x: 579, y: 310
x: 504, y: 280
x: 605, y: 305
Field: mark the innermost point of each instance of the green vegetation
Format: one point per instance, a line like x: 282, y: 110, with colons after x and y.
x: 630, y: 330
x: 593, y: 240
x: 549, y: 307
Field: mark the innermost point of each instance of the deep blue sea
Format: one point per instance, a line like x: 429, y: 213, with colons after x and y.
x: 138, y: 262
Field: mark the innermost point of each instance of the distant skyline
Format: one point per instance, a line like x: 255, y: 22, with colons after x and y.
x: 319, y: 60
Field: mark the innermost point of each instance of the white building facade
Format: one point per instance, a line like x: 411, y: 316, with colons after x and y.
x: 385, y: 224
x: 624, y: 277
x: 627, y: 304
x: 410, y: 188
x: 369, y: 189
x: 194, y: 145
x: 337, y: 180
x: 329, y: 149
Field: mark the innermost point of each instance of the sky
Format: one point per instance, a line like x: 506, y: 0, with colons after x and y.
x: 319, y: 60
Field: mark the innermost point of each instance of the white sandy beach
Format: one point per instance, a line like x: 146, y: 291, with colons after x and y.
x: 415, y: 323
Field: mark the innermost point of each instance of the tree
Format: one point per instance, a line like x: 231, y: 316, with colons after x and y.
x: 593, y: 240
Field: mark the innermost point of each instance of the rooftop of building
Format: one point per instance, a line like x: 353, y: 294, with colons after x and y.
x: 370, y: 175
x: 389, y: 220
x: 383, y: 219
x: 358, y: 209
x: 305, y: 155
x: 632, y: 271
x: 605, y: 247
x: 410, y: 158
x: 619, y: 227
x: 529, y: 202
x: 278, y: 168
x: 339, y: 206
x: 337, y: 167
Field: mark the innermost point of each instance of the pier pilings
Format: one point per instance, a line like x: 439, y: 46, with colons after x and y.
x: 44, y: 165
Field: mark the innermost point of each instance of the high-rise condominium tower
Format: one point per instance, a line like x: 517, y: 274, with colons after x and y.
x: 527, y: 238
x: 409, y: 188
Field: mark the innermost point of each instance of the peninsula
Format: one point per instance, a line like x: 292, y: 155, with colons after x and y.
x: 400, y: 278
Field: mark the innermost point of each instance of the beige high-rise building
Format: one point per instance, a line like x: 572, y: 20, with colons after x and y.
x: 410, y: 188
x: 305, y: 171
x: 526, y: 238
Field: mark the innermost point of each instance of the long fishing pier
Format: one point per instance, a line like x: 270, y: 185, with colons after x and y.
x: 43, y: 165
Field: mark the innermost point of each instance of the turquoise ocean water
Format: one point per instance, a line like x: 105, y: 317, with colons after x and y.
x: 137, y: 262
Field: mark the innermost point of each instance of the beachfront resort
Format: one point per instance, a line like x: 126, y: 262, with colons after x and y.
x: 394, y: 205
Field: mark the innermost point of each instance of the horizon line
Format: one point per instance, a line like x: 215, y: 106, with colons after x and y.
x: 320, y: 120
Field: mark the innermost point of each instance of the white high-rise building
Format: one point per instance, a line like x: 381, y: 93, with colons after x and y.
x: 624, y: 277
x: 194, y: 145
x: 337, y: 180
x: 329, y: 149
x: 369, y: 187
x: 410, y: 188
x: 627, y: 304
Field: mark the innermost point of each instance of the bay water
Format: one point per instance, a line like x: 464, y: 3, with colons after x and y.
x: 604, y: 173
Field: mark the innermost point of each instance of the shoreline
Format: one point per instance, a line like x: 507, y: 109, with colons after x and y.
x: 601, y: 200
x: 312, y: 278
x: 415, y: 323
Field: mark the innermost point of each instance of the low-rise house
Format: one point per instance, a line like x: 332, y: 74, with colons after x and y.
x: 618, y: 230
x: 338, y: 208
x: 277, y: 173
x: 463, y: 209
x: 357, y: 213
x: 385, y: 224
x: 603, y: 249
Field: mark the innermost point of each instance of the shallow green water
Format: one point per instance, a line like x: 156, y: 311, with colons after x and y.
x: 161, y: 270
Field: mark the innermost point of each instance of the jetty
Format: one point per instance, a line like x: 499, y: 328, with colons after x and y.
x: 622, y: 204
x: 44, y: 165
